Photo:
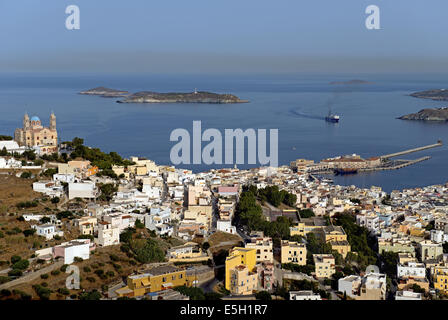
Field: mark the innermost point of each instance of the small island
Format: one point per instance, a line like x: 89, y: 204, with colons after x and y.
x: 435, y: 94
x: 355, y: 81
x: 169, y: 97
x: 105, y: 92
x: 430, y: 114
x: 172, y: 97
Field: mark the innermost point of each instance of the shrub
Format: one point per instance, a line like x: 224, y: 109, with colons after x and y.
x: 64, y: 268
x: 4, y: 279
x: 44, y: 276
x: 64, y: 291
x: 55, y: 272
x: 114, y: 257
x: 78, y: 259
x: 90, y: 279
x: 5, y: 293
x: 21, y: 265
x: 15, y: 259
x: 29, y: 232
x: 15, y: 273
x: 92, y: 295
x: 87, y: 269
x: 42, y: 292
x: 110, y: 273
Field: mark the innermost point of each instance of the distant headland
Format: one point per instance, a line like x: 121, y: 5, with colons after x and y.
x: 169, y: 97
x: 105, y: 92
x: 429, y: 114
x: 355, y: 81
x: 435, y: 94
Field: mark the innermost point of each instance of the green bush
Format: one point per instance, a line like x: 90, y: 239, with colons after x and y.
x: 55, y: 272
x: 64, y: 291
x: 21, y: 265
x: 44, y: 276
x: 15, y: 259
x: 90, y: 279
x: 42, y: 292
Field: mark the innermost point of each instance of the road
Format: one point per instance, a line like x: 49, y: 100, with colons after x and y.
x: 31, y: 276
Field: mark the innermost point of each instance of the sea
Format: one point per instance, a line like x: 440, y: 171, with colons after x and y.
x: 295, y: 104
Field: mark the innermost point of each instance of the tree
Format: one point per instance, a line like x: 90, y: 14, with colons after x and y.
x: 55, y: 200
x: 205, y: 246
x: 92, y: 295
x: 26, y: 175
x: 193, y: 292
x: 29, y: 232
x: 15, y: 259
x: 21, y: 265
x: 306, y: 213
x: 44, y: 220
x: 147, y: 251
x: 139, y: 224
x: 107, y: 191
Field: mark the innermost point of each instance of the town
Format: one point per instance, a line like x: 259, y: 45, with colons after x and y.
x: 138, y: 230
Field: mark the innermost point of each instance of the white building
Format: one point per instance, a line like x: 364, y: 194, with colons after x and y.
x: 67, y: 178
x: 225, y: 226
x: 85, y: 189
x: 439, y: 236
x: 158, y: 220
x: 411, y: 269
x: 304, y: 295
x: 108, y: 234
x: 408, y: 295
x: 350, y: 285
x: 49, y: 231
x: 70, y: 250
x: 370, y: 221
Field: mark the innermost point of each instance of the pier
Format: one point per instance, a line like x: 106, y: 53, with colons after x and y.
x: 396, y: 154
x: 397, y: 164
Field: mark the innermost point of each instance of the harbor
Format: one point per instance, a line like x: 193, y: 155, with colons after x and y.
x: 353, y: 164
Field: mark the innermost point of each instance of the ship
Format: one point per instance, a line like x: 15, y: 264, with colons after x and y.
x: 343, y: 171
x: 331, y: 117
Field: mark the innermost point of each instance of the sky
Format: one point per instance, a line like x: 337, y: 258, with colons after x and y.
x: 216, y: 36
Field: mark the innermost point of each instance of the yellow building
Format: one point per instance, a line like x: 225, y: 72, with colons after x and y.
x: 264, y: 247
x: 154, y: 280
x: 440, y: 275
x: 242, y: 280
x: 324, y: 264
x: 87, y: 225
x: 34, y: 134
x: 240, y: 256
x: 336, y: 236
x: 297, y: 230
x: 293, y: 252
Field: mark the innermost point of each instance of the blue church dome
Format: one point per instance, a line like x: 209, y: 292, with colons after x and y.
x: 35, y: 118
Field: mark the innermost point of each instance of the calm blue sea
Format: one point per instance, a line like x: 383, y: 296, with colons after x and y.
x: 295, y: 104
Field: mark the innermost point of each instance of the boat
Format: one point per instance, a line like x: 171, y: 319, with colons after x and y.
x: 332, y: 117
x: 327, y: 180
x: 342, y: 171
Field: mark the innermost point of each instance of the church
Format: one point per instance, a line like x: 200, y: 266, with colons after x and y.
x: 36, y: 136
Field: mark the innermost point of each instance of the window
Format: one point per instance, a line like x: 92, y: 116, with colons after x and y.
x: 164, y: 279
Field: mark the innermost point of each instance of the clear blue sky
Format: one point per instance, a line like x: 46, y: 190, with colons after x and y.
x: 224, y: 35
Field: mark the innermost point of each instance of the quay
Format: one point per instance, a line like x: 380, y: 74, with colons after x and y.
x: 396, y: 154
x: 397, y: 164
